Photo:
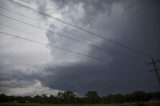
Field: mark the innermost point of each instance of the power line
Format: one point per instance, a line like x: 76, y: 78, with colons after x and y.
x: 16, y: 29
x: 84, y: 30
x: 28, y: 33
x: 63, y: 49
x: 80, y: 41
x: 100, y: 48
x: 25, y: 31
x: 25, y: 23
x: 54, y: 46
x: 23, y: 38
x: 29, y: 24
x: 45, y: 29
x: 15, y: 12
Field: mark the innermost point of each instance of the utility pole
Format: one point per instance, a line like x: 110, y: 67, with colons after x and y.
x: 155, y: 68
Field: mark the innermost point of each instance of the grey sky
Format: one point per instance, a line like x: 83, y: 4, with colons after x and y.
x: 26, y: 67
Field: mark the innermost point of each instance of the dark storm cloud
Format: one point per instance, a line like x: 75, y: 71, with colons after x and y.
x: 92, y: 8
x: 136, y: 26
x: 104, y: 78
x: 142, y: 26
x: 132, y: 22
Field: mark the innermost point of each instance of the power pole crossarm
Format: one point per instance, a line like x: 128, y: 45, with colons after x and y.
x: 155, y: 68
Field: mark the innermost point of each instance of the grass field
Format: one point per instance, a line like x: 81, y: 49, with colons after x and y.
x: 127, y: 104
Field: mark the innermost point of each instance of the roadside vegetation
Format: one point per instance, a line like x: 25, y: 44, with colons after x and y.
x: 137, y: 98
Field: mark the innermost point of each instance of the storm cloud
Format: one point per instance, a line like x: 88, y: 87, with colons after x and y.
x: 125, y: 21
x: 134, y: 23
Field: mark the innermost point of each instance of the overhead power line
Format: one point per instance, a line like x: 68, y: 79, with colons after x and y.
x: 54, y: 46
x: 23, y: 38
x: 92, y: 45
x: 15, y: 12
x: 32, y: 34
x: 28, y: 24
x: 83, y: 42
x: 84, y: 30
x: 33, y: 26
x: 71, y: 51
x: 80, y: 41
x: 106, y: 50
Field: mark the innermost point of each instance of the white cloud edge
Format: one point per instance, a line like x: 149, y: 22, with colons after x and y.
x: 37, y: 88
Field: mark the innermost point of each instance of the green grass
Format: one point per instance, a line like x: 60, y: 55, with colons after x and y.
x: 34, y: 104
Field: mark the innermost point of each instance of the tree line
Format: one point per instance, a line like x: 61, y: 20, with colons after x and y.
x: 91, y: 97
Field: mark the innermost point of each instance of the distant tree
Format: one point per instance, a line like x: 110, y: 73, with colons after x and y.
x: 3, y: 98
x: 66, y: 97
x: 92, y: 97
x: 118, y: 98
x: 138, y: 96
x: 53, y: 99
x: 37, y: 99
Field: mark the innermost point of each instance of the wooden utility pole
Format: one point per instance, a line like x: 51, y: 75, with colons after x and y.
x: 155, y: 68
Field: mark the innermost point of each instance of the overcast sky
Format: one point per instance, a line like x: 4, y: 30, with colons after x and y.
x: 28, y: 68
